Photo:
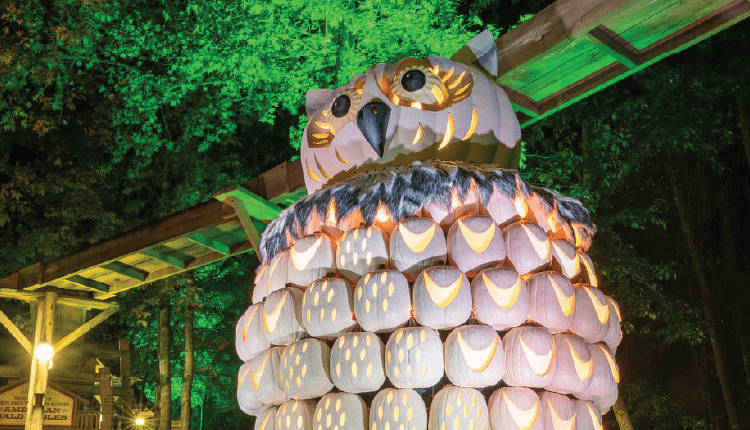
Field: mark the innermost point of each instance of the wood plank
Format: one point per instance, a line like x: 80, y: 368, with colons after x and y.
x: 175, y: 258
x: 80, y: 331
x: 15, y: 332
x: 88, y: 283
x: 616, y: 46
x: 256, y: 206
x: 209, y: 242
x: 126, y: 270
x: 554, y: 24
x: 522, y: 102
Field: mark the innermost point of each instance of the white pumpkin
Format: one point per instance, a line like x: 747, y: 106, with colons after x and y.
x: 587, y: 416
x: 266, y: 419
x: 527, y: 246
x: 605, y: 377
x: 500, y: 298
x: 341, y: 411
x: 474, y: 356
x: 442, y: 297
x: 250, y: 336
x: 529, y: 357
x: 475, y: 243
x: 382, y: 301
x: 295, y: 415
x: 558, y: 411
x: 394, y: 409
x: 357, y: 362
x: 614, y: 330
x: 246, y: 397
x: 311, y: 258
x: 414, y: 357
x: 565, y: 258
x: 327, y: 308
x: 458, y: 408
x: 552, y: 301
x: 282, y: 319
x: 588, y: 268
x: 574, y: 365
x: 505, y: 208
x: 591, y: 316
x: 271, y: 277
x: 417, y: 243
x: 361, y: 250
x: 515, y: 408
x: 265, y: 376
x: 304, y: 369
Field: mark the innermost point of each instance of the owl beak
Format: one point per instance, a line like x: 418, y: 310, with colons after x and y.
x: 372, y: 120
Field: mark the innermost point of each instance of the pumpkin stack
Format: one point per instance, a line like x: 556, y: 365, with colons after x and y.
x: 433, y: 295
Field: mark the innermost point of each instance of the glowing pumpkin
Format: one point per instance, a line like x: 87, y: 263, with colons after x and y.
x: 515, y: 408
x: 271, y: 276
x: 327, y: 308
x: 475, y: 243
x: 263, y: 379
x: 282, y: 319
x: 414, y: 357
x: 442, y: 297
x: 565, y: 258
x: 361, y: 250
x: 527, y: 246
x: 382, y: 301
x: 605, y: 377
x: 310, y: 258
x: 529, y: 357
x: 591, y: 316
x: 552, y: 301
x: 304, y: 369
x: 357, y: 362
x: 341, y: 411
x: 295, y: 415
x: 614, y: 330
x: 574, y: 365
x: 558, y: 411
x: 250, y: 336
x: 474, y: 356
x: 396, y: 409
x: 500, y: 298
x: 458, y: 408
x: 587, y: 416
x: 246, y: 397
x: 266, y: 419
x: 417, y: 243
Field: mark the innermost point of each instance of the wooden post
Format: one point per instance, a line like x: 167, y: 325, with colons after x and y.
x: 105, y: 391
x: 45, y: 319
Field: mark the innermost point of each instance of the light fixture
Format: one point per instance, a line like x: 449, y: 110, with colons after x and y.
x: 140, y: 421
x: 44, y: 352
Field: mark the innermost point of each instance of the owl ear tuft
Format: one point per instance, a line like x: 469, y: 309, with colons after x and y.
x: 484, y: 48
x: 315, y: 100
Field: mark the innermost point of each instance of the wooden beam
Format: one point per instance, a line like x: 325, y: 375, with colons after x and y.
x: 203, y: 240
x: 554, y: 24
x: 33, y: 296
x: 126, y: 270
x: 80, y: 331
x: 522, y: 103
x: 246, y: 221
x: 256, y: 206
x: 615, y: 46
x: 88, y: 283
x: 176, y: 259
x: 20, y: 337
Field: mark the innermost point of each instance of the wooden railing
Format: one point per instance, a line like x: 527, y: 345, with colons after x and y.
x: 88, y: 420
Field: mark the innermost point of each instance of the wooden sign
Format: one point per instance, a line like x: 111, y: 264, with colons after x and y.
x: 58, y: 407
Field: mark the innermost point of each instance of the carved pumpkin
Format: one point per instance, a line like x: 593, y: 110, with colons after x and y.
x: 574, y: 365
x: 529, y: 357
x: 246, y: 397
x: 591, y: 316
x: 504, y: 207
x: 310, y: 258
x: 396, y: 409
x: 382, y: 301
x: 263, y: 379
x: 445, y: 213
x: 271, y: 277
x: 515, y: 408
x: 458, y: 408
x: 281, y: 316
x: 414, y: 357
x: 442, y: 297
x: 415, y: 244
x: 250, y: 336
x: 605, y: 377
x: 304, y: 369
x: 357, y: 362
x: 552, y: 301
x: 266, y: 419
x: 500, y: 298
x: 587, y: 416
x: 558, y: 411
x: 327, y: 308
x: 295, y: 415
x: 475, y: 243
x: 359, y: 251
x: 614, y: 330
x: 341, y: 411
x: 588, y: 267
x: 474, y: 356
x: 565, y: 257
x: 527, y: 246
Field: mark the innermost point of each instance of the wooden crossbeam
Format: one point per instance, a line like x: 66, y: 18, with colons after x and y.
x: 20, y: 337
x: 208, y: 242
x: 88, y: 283
x: 256, y: 206
x: 247, y: 222
x: 33, y: 296
x: 615, y: 46
x: 176, y: 259
x: 126, y: 270
x: 80, y: 331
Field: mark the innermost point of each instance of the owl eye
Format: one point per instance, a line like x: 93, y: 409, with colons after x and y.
x: 413, y: 80
x: 341, y: 106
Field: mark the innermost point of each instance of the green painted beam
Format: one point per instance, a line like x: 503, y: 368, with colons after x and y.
x: 214, y: 244
x: 256, y: 206
x: 175, y: 259
x: 88, y: 283
x: 615, y: 46
x: 287, y: 199
x: 126, y: 270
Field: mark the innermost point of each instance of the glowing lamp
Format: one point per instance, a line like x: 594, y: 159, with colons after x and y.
x: 44, y: 352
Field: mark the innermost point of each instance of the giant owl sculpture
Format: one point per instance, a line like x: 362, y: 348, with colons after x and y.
x: 422, y: 284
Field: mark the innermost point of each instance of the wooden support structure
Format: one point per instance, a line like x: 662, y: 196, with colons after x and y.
x: 80, y: 331
x: 20, y: 337
x: 45, y: 319
x: 106, y: 398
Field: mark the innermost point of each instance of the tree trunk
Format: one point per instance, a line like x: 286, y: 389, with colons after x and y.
x: 187, y: 385
x: 165, y: 380
x: 622, y: 416
x: 702, y: 277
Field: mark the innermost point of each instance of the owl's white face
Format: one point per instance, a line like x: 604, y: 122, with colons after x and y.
x: 415, y: 109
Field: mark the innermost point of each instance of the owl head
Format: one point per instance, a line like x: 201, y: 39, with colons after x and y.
x: 414, y: 109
